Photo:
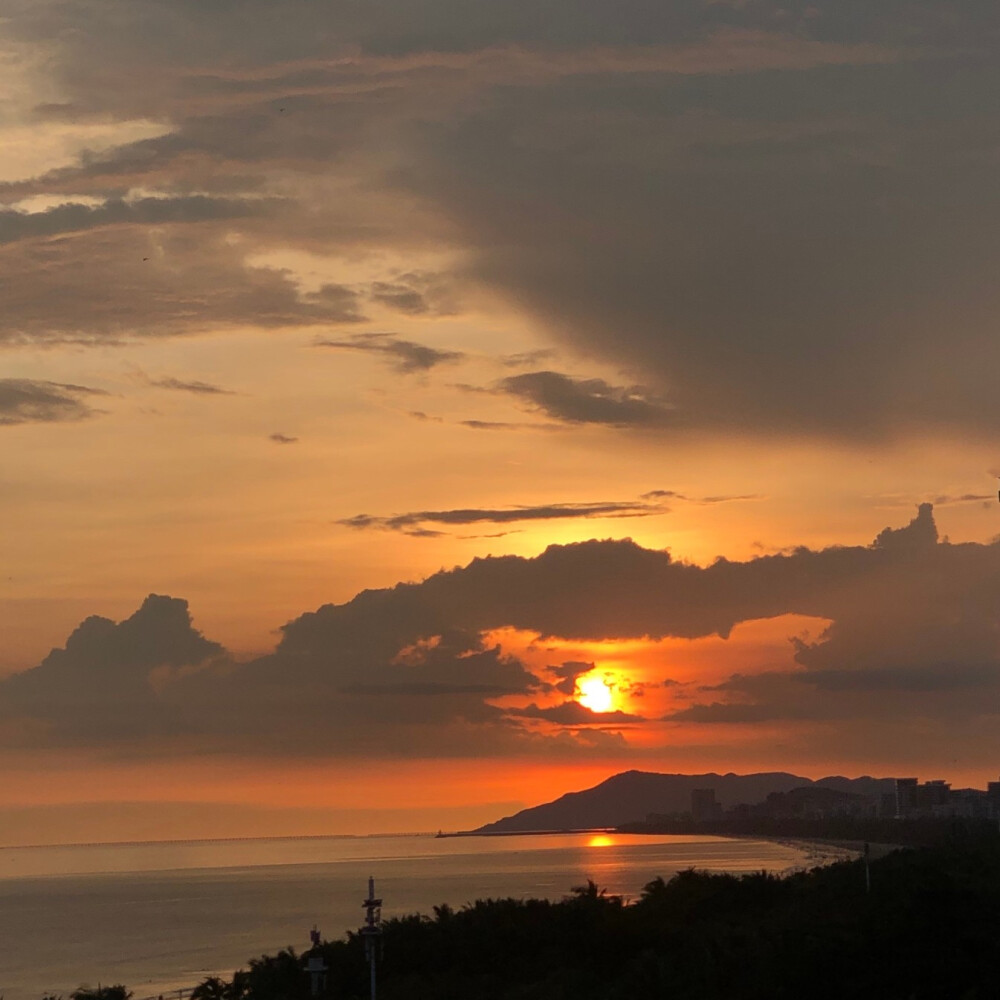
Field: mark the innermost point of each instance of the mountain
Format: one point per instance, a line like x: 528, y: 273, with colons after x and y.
x: 632, y: 795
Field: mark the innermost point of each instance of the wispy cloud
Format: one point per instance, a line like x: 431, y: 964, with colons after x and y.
x: 720, y: 498
x: 193, y: 386
x: 572, y: 713
x: 24, y: 401
x: 418, y: 523
x: 588, y: 400
x: 405, y: 355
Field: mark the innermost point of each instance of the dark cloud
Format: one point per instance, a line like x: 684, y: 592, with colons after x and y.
x: 944, y: 500
x: 567, y: 673
x: 502, y: 425
x: 724, y: 498
x: 588, y: 401
x: 572, y: 713
x: 527, y: 359
x: 400, y: 297
x: 74, y: 218
x: 278, y: 438
x: 911, y: 657
x: 405, y: 355
x: 102, y: 686
x: 194, y: 278
x: 198, y: 388
x: 415, y: 522
x: 783, y: 215
x: 25, y: 401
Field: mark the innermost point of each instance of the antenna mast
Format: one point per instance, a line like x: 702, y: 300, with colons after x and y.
x: 372, y: 930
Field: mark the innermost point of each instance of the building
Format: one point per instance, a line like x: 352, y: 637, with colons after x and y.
x: 703, y: 805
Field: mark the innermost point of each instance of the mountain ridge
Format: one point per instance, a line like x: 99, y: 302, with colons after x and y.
x: 630, y: 796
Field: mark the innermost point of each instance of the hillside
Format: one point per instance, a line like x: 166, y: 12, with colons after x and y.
x: 632, y: 795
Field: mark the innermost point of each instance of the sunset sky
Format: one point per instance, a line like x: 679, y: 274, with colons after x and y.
x: 411, y: 411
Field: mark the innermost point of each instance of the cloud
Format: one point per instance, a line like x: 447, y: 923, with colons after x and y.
x: 527, y: 359
x: 102, y: 686
x: 702, y: 193
x: 415, y: 522
x: 74, y: 218
x: 195, y: 278
x: 910, y: 658
x: 25, y: 401
x: 278, y: 438
x: 572, y: 713
x: 588, y: 401
x: 725, y: 498
x: 193, y: 386
x: 567, y: 673
x: 405, y: 355
x: 500, y: 425
x: 399, y: 297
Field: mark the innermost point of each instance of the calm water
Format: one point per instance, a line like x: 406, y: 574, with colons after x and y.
x: 161, y: 916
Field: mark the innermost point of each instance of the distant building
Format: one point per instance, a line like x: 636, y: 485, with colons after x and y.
x: 938, y: 799
x: 933, y: 795
x: 906, y: 797
x: 992, y: 803
x: 816, y: 802
x: 703, y: 805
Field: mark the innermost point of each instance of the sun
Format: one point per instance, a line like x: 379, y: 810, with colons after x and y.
x: 594, y: 693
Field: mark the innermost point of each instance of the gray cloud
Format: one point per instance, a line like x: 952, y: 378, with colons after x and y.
x: 415, y: 522
x: 25, y: 401
x: 504, y: 425
x: 784, y: 216
x: 74, y: 218
x: 572, y: 713
x: 400, y: 297
x: 588, y: 401
x: 405, y: 355
x: 567, y: 673
x: 722, y: 498
x: 194, y: 386
x: 910, y: 657
x: 279, y: 438
x: 102, y: 685
x: 195, y: 278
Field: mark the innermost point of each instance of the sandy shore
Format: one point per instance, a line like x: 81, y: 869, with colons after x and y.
x: 828, y: 851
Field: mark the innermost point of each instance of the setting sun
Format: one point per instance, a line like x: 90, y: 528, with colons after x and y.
x: 594, y: 693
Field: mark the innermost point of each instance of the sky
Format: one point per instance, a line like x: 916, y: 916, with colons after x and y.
x: 413, y: 411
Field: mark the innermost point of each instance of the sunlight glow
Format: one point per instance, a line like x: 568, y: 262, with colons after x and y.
x: 594, y: 693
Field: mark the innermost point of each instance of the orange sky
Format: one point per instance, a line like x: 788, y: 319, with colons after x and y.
x: 291, y: 312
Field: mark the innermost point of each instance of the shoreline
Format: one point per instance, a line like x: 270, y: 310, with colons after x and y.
x: 823, y: 847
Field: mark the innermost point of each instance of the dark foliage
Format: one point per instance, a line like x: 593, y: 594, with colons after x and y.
x: 117, y: 992
x: 928, y: 930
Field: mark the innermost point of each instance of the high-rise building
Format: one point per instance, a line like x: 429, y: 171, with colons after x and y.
x: 906, y: 796
x: 703, y: 805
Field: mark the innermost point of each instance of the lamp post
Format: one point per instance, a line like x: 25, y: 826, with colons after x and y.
x: 372, y: 930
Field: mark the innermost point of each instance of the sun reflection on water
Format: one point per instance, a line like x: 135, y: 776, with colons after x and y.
x: 601, y: 840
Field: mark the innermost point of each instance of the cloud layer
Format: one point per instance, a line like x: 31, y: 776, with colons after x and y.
x: 911, y: 655
x: 783, y: 215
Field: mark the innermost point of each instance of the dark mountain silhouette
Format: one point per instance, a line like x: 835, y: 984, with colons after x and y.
x: 632, y: 795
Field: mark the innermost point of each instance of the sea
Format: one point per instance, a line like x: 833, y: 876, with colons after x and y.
x: 160, y: 917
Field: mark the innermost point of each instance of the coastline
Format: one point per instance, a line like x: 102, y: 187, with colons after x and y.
x: 825, y: 850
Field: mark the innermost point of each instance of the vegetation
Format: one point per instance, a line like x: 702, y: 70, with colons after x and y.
x: 928, y: 929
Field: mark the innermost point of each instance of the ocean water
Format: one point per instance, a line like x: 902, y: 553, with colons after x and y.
x: 162, y: 916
